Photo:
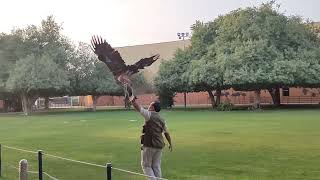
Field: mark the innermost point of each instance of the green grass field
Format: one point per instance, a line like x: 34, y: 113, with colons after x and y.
x: 273, y: 144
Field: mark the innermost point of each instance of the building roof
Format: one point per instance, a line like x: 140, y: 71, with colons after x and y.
x: 131, y: 54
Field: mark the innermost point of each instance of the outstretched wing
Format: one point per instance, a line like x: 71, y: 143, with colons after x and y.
x: 142, y: 63
x: 108, y: 55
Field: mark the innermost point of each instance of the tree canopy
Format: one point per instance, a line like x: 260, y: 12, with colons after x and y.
x: 38, y: 61
x: 247, y: 49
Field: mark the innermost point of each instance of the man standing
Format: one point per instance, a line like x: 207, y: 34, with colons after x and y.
x: 152, y: 139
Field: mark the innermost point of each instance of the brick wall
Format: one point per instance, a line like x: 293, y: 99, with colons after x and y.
x: 1, y: 104
x: 296, y: 96
x: 144, y: 99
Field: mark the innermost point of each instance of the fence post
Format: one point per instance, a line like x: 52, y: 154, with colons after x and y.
x: 40, y: 164
x: 0, y: 160
x: 109, y: 167
x: 23, y: 170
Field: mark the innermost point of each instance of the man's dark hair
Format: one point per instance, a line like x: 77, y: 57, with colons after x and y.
x: 156, y: 106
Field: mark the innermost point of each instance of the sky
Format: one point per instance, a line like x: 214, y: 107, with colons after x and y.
x: 132, y: 22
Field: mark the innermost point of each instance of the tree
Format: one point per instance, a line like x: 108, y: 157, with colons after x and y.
x: 166, y: 97
x: 171, y: 76
x: 140, y: 84
x: 248, y: 49
x: 47, y: 39
x: 33, y: 76
x: 8, y: 46
x: 101, y: 82
x: 205, y: 72
x: 196, y: 68
x: 263, y: 49
x: 38, y: 46
x: 89, y: 76
x: 171, y: 73
x: 207, y: 76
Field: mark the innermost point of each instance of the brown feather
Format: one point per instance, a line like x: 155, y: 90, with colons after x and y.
x: 114, y: 61
x: 108, y: 55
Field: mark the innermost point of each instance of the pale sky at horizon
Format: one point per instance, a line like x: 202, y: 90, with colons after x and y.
x: 132, y: 22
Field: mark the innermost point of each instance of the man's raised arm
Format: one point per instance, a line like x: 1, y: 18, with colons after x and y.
x: 145, y: 113
x: 134, y: 103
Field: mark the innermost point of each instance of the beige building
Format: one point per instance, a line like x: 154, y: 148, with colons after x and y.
x: 131, y: 54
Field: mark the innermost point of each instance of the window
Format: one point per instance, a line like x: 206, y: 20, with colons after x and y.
x: 285, y: 92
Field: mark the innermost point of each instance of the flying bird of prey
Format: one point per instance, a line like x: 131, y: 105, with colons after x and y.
x: 115, y: 63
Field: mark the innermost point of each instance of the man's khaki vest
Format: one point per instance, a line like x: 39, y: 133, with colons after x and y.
x: 153, y: 130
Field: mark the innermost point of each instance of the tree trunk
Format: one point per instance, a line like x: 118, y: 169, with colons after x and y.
x: 6, y: 105
x: 46, y: 103
x: 277, y: 101
x: 112, y: 101
x: 25, y: 104
x: 275, y: 94
x: 213, y: 103
x: 256, y: 104
x: 31, y: 101
x: 127, y: 103
x: 94, y: 102
x: 17, y: 104
x: 185, y: 99
x: 218, y: 98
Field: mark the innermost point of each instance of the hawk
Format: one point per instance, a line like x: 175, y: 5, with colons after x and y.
x: 116, y: 64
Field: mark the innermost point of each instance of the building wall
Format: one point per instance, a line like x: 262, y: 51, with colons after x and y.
x: 297, y: 96
x: 144, y: 99
x: 131, y: 54
x: 1, y: 104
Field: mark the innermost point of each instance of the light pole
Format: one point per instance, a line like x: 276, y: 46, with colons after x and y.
x: 183, y: 36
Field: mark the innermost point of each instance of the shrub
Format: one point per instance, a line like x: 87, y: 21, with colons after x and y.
x: 225, y: 106
x: 166, y: 98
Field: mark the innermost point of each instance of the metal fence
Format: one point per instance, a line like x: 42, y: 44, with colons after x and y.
x: 110, y: 171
